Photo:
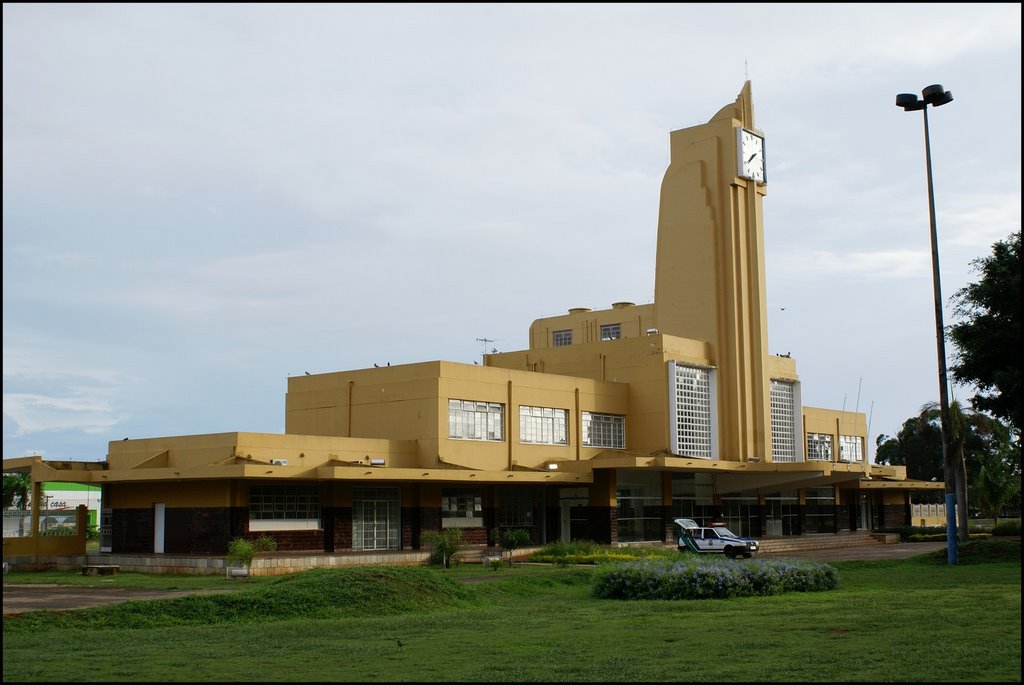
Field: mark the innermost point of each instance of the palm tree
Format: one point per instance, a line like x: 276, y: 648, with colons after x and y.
x: 962, y: 420
x: 995, y: 485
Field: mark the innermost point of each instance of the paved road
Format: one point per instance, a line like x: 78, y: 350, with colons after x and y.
x: 20, y: 598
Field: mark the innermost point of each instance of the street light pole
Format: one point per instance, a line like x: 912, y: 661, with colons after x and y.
x: 935, y: 95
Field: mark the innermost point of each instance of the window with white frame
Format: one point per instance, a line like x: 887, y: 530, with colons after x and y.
x: 604, y: 430
x: 561, y: 338
x: 851, y: 448
x: 462, y: 508
x: 470, y: 420
x: 376, y: 518
x: 693, y: 428
x: 284, y: 507
x: 819, y: 446
x: 783, y: 402
x: 611, y: 331
x: 543, y: 425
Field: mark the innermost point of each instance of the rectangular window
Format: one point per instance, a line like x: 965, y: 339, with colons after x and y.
x: 692, y: 495
x: 543, y: 425
x: 819, y: 446
x: 820, y: 510
x: 604, y: 430
x: 783, y: 399
x: 284, y: 507
x: 639, y: 508
x: 691, y: 406
x: 561, y: 338
x: 469, y: 420
x: 611, y: 331
x: 851, y: 448
x: 462, y: 508
x: 515, y: 508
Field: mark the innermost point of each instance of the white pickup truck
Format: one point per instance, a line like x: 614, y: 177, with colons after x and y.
x: 713, y: 540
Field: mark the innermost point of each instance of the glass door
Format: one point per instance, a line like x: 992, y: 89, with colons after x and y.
x: 375, y: 519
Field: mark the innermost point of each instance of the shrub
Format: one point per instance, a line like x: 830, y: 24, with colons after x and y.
x: 241, y: 553
x: 699, y: 578
x: 1007, y: 528
x: 446, y: 543
x: 265, y: 543
x: 941, y: 537
x: 564, y: 553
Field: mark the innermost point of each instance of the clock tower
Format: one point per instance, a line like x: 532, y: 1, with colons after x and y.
x: 710, y: 272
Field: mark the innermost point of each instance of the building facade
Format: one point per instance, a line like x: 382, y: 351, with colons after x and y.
x: 610, y: 425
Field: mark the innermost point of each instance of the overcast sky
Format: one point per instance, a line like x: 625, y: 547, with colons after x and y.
x: 200, y: 201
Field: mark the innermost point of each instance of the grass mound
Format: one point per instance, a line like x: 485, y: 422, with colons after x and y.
x: 313, y: 594
x: 988, y: 551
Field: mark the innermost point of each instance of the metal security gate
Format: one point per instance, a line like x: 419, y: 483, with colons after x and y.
x: 376, y: 523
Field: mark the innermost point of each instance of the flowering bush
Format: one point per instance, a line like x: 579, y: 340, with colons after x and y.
x: 700, y: 578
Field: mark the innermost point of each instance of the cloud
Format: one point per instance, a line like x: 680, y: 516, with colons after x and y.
x: 858, y: 265
x: 39, y: 413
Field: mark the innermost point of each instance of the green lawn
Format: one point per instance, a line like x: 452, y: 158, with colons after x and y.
x: 910, y: 620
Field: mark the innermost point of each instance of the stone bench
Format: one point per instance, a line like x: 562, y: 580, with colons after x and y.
x: 100, y: 569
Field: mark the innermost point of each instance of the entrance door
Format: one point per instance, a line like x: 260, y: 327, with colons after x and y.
x: 865, y: 512
x: 375, y: 519
x: 575, y: 520
x: 159, y: 516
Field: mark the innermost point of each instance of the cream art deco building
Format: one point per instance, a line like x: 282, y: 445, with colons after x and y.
x: 611, y: 424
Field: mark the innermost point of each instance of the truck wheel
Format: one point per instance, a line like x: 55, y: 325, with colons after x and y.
x: 730, y: 552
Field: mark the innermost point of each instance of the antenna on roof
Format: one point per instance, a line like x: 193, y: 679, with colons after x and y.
x: 484, y: 341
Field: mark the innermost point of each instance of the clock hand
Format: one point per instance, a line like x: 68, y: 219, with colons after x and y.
x: 751, y: 157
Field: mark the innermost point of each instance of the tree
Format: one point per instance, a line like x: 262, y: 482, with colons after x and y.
x: 967, y: 428
x: 988, y: 339
x: 918, y: 446
x: 17, y: 489
x: 513, y: 539
x: 997, y: 484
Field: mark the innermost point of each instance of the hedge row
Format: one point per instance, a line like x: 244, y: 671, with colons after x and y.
x: 699, y: 578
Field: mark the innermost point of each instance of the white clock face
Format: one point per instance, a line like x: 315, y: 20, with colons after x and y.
x: 750, y: 155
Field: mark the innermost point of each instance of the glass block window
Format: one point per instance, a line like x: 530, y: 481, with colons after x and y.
x: 611, y: 331
x: 604, y: 430
x: 470, y: 420
x: 851, y: 448
x: 691, y: 406
x: 543, y: 425
x: 284, y: 507
x: 783, y: 421
x: 819, y: 446
x: 561, y: 338
x: 462, y: 508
